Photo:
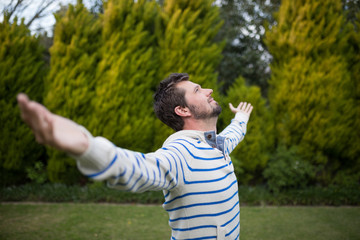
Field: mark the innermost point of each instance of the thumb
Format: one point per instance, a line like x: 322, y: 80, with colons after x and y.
x: 232, y: 107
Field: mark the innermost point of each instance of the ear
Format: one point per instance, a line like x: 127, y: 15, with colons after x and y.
x: 182, y: 111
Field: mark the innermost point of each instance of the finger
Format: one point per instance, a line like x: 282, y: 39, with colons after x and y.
x: 250, y: 110
x: 33, y: 114
x: 22, y: 100
x: 232, y: 107
x: 240, y: 105
x: 48, y: 128
x: 248, y: 107
x: 40, y: 124
x: 243, y: 107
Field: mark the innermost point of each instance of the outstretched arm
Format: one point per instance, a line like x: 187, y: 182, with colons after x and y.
x: 98, y: 158
x: 51, y: 129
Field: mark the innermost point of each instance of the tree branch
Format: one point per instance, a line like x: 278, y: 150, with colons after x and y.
x: 40, y: 10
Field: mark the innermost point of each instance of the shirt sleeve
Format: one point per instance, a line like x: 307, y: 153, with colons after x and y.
x: 128, y: 170
x: 235, y: 132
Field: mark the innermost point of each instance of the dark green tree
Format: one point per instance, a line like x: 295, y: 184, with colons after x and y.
x: 70, y: 85
x: 351, y: 9
x: 22, y: 69
x: 245, y: 54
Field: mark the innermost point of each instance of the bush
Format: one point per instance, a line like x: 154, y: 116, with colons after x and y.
x: 37, y: 173
x: 97, y: 192
x: 248, y: 195
x: 287, y: 170
x: 347, y: 178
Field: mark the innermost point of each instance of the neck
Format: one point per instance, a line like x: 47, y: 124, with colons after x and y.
x: 203, y: 125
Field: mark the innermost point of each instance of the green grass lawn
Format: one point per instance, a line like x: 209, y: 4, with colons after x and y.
x: 100, y: 221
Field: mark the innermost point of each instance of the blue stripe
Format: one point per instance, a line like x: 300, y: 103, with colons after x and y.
x: 203, y: 204
x: 212, y: 180
x: 200, y: 148
x: 120, y: 175
x: 196, y: 157
x: 193, y: 228
x: 200, y: 193
x: 147, y: 175
x: 205, y: 215
x: 101, y: 172
x: 132, y: 174
x: 132, y: 187
x: 167, y: 173
x: 237, y: 225
x: 200, y: 238
x: 158, y: 166
x: 236, y: 215
x: 177, y: 171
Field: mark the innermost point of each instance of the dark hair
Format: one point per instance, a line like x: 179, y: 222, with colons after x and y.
x: 167, y: 97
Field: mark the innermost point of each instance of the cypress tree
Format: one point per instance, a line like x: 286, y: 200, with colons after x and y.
x: 22, y: 69
x: 252, y: 155
x: 71, y: 80
x: 186, y: 44
x: 126, y: 75
x: 349, y: 173
x: 311, y: 91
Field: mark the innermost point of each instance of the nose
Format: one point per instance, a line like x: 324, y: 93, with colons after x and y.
x: 209, y: 92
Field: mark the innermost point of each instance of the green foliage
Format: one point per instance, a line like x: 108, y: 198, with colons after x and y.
x: 252, y: 155
x: 21, y: 70
x: 37, y: 173
x: 347, y: 178
x: 312, y: 92
x: 287, y: 170
x: 126, y: 75
x: 71, y: 80
x: 187, y: 42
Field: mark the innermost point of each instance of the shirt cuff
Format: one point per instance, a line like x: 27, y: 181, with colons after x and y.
x: 241, y: 117
x: 97, y: 156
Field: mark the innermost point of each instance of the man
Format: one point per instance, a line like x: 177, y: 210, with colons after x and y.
x: 193, y: 168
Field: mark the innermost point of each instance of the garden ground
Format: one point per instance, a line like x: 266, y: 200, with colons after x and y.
x: 150, y: 222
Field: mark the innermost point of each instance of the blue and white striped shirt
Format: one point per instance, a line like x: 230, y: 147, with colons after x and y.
x: 194, y: 171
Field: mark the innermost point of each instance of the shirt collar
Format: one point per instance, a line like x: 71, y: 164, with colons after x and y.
x: 215, y: 141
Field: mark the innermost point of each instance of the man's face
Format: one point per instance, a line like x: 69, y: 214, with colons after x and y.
x: 199, y: 100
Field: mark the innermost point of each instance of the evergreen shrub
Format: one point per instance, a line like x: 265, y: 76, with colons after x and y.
x: 22, y: 69
x: 287, y: 170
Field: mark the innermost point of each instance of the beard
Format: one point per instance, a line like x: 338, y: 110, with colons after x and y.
x: 198, y: 114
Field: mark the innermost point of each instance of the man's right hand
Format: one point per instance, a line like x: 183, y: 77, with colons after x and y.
x: 50, y: 129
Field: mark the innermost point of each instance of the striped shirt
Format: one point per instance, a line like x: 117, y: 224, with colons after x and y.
x: 194, y: 171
